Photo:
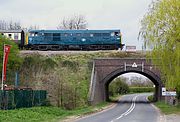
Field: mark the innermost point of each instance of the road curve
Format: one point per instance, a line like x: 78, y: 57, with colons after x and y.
x: 130, y: 108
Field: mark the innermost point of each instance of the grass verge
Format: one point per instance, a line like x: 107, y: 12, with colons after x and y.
x: 115, y: 98
x: 165, y: 108
x: 45, y: 114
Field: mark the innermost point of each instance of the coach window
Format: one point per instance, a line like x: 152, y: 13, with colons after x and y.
x: 9, y: 35
x: 16, y: 36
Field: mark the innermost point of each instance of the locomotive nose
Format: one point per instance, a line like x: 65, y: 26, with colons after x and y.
x: 30, y: 40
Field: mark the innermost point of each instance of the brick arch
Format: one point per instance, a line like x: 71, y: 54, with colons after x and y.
x: 147, y: 73
x: 105, y: 70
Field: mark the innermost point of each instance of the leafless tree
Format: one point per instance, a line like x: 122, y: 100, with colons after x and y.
x: 3, y: 25
x: 14, y: 25
x: 11, y: 25
x: 34, y: 27
x: 75, y: 22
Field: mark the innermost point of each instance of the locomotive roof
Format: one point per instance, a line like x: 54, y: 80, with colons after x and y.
x: 11, y: 31
x: 75, y: 31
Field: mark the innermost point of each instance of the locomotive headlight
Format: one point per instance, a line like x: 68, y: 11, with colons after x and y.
x: 118, y: 38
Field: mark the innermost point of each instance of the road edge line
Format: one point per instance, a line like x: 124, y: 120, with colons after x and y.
x: 161, y: 117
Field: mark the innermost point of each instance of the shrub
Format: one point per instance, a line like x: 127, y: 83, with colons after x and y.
x: 118, y: 87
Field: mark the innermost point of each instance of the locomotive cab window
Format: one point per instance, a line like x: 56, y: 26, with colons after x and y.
x: 36, y: 34
x: 31, y: 34
x: 116, y: 33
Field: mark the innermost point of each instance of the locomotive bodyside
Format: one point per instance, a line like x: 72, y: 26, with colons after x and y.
x: 74, y: 39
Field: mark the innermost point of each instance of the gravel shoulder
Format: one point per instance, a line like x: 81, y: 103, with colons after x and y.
x: 172, y: 118
x: 167, y: 118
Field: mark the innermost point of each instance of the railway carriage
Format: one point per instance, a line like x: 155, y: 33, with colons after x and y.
x: 18, y: 36
x: 74, y: 39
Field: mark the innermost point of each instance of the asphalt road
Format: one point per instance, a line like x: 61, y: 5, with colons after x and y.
x: 130, y: 108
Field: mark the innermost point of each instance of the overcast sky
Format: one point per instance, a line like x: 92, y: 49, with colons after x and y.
x: 100, y: 14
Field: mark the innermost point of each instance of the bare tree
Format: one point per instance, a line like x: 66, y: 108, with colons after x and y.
x: 34, y: 27
x: 11, y: 25
x: 14, y: 25
x: 3, y: 25
x: 75, y: 22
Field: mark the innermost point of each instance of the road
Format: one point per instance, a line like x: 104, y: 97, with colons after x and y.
x: 130, y: 108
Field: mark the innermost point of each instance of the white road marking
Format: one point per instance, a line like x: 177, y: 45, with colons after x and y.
x: 133, y: 105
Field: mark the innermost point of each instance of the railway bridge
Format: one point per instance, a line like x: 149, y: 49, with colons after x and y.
x: 106, y: 69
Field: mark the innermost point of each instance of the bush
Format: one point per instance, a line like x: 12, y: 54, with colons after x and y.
x: 118, y: 87
x: 141, y: 89
x: 14, y: 60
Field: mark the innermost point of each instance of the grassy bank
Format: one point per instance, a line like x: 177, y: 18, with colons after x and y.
x: 115, y: 98
x: 44, y: 114
x: 167, y: 109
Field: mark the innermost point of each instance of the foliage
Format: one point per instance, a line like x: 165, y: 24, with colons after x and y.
x: 34, y: 69
x: 71, y: 84
x: 141, y: 89
x: 14, y: 60
x: 118, y: 87
x: 151, y: 98
x: 66, y: 81
x: 160, y: 30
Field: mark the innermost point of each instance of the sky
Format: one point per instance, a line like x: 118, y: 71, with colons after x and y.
x: 100, y: 14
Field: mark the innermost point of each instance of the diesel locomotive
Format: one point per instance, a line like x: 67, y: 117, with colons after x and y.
x: 69, y: 39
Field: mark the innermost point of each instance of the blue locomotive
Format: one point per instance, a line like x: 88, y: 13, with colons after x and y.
x: 74, y: 40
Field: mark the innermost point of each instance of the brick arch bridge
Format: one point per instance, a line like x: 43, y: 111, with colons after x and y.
x: 105, y: 70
